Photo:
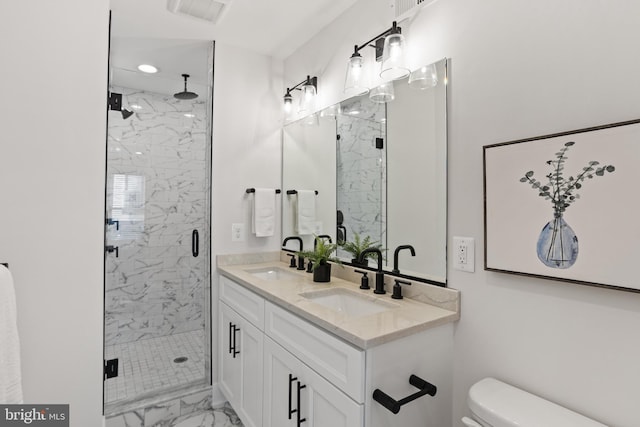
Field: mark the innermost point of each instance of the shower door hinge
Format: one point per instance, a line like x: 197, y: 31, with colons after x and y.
x: 115, y: 101
x: 110, y: 368
x: 379, y: 143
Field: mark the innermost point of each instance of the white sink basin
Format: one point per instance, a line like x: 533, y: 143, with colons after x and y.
x: 271, y: 273
x: 351, y: 303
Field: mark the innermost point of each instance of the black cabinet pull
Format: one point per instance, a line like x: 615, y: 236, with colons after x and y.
x: 235, y: 350
x: 232, y: 340
x: 195, y: 243
x: 291, y: 410
x: 299, y: 414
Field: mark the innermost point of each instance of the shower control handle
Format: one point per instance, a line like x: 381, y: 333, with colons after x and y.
x: 111, y: 221
x: 111, y: 248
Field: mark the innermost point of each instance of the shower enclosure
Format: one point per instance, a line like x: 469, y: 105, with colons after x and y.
x: 157, y: 227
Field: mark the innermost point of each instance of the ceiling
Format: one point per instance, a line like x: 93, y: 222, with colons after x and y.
x: 145, y: 31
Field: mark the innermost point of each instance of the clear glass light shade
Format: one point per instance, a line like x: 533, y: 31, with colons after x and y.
x: 424, y: 77
x: 354, y: 82
x: 288, y: 103
x: 393, y: 58
x: 383, y: 93
x: 307, y: 99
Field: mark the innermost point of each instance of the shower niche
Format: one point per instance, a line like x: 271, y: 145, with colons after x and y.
x: 157, y: 222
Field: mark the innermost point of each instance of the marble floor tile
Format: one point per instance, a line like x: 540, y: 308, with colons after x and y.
x: 219, y: 417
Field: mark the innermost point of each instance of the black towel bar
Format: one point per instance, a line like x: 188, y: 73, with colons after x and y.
x: 253, y: 190
x: 394, y: 405
x: 296, y: 192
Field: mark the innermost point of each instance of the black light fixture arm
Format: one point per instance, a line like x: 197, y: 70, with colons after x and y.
x: 311, y: 80
x: 393, y: 30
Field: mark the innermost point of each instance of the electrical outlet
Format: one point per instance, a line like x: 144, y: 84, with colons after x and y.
x: 237, y: 232
x: 464, y: 254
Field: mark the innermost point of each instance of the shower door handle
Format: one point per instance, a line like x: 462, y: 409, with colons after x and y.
x: 195, y: 243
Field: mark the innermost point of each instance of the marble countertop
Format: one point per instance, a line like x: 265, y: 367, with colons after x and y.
x: 408, y: 316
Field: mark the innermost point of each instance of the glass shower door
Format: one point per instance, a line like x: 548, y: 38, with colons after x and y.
x: 157, y: 278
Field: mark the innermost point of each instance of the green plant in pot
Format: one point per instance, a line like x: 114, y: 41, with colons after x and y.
x: 320, y: 257
x: 357, y: 246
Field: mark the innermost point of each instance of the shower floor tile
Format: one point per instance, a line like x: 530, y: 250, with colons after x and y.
x: 148, y: 365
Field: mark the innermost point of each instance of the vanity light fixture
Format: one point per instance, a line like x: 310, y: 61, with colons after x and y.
x: 390, y: 48
x: 309, y: 89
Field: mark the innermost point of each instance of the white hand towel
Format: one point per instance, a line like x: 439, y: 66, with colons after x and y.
x: 263, y: 218
x: 10, y: 375
x: 306, y: 212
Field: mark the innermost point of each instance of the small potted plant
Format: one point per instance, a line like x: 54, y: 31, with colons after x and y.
x: 358, y: 246
x: 320, y: 257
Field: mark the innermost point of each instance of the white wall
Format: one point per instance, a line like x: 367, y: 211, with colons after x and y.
x: 53, y: 81
x: 519, y: 69
x: 247, y: 145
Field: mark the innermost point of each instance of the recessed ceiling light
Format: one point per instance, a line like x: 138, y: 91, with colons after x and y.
x: 146, y: 68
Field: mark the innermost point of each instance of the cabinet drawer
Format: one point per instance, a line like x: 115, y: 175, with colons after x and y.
x: 246, y: 303
x: 337, y: 361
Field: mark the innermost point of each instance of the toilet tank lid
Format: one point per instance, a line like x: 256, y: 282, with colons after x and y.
x: 501, y: 405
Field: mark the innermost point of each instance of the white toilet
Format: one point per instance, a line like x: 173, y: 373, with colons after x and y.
x: 496, y: 404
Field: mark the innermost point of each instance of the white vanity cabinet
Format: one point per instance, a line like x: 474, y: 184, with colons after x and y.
x: 312, y: 378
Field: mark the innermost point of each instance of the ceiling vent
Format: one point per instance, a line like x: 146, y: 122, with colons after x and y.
x: 407, y: 8
x: 208, y: 10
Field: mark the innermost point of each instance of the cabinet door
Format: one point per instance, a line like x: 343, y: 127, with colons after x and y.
x: 297, y: 396
x: 229, y: 366
x: 250, y: 349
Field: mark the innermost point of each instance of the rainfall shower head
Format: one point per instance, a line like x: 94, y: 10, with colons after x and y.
x: 185, y: 94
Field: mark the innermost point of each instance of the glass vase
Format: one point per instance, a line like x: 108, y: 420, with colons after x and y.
x: 558, y: 244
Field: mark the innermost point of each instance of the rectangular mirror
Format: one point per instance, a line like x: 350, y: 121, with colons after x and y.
x: 380, y: 170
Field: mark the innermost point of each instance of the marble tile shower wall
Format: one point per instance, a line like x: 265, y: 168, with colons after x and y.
x: 156, y: 188
x: 361, y: 173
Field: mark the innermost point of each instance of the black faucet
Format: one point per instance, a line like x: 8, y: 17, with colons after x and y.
x: 322, y: 236
x: 379, y: 274
x: 300, y: 257
x: 395, y: 256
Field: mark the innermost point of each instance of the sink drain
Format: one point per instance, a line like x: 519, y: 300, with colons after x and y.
x: 180, y: 359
